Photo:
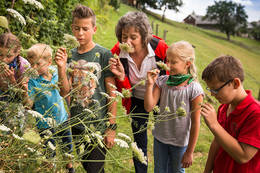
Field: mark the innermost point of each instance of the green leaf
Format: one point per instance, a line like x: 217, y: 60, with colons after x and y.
x: 3, y: 22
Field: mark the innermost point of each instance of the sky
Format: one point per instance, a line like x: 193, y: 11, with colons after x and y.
x: 252, y: 8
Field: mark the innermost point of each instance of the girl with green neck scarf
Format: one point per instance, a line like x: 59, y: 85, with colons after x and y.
x: 177, y: 126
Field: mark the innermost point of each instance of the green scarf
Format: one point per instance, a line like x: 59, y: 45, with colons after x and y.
x: 175, y: 80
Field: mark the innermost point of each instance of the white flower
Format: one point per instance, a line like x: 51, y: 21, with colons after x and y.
x: 126, y: 93
x: 91, y: 76
x: 113, y: 86
x: 138, y: 153
x: 121, y: 143
x: 34, y: 3
x: 17, y: 137
x: 124, y: 136
x: 50, y: 121
x: 31, y: 149
x: 181, y: 111
x: 87, y: 138
x: 4, y: 128
x: 70, y: 41
x: 167, y: 109
x: 97, y: 54
x: 118, y: 94
x: 51, y: 145
x: 35, y: 114
x: 156, y: 109
x: 125, y: 47
x: 105, y: 95
x: 16, y: 15
x: 81, y: 148
x: 70, y: 156
x: 163, y: 66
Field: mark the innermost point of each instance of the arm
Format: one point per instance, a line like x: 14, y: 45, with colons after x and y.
x: 61, y: 61
x: 152, y: 93
x: 194, y: 132
x: 211, y: 156
x: 240, y: 152
x: 112, y: 108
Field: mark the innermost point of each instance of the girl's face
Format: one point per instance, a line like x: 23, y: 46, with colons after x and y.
x: 132, y: 37
x: 83, y: 30
x: 41, y: 65
x: 7, y: 55
x: 177, y: 65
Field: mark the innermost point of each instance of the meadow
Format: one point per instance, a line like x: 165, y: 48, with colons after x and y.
x: 209, y: 45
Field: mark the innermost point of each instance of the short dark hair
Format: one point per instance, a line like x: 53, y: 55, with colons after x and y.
x: 139, y: 21
x: 10, y: 41
x: 223, y: 68
x: 82, y: 11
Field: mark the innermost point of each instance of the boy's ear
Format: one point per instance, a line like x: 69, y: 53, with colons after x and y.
x: 236, y: 83
x: 95, y: 29
x: 188, y: 63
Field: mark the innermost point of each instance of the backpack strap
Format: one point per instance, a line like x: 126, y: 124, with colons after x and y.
x: 124, y: 62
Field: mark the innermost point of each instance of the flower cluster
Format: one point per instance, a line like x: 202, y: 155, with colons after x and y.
x: 16, y: 15
x: 125, y: 47
x: 35, y: 3
x: 163, y: 66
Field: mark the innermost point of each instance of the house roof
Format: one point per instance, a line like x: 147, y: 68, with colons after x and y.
x: 200, y: 20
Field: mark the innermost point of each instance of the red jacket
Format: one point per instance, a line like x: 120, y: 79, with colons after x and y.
x: 159, y: 46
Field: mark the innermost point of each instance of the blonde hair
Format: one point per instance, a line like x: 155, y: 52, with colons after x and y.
x: 39, y: 50
x: 186, y: 52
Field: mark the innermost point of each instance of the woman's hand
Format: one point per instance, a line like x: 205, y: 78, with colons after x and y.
x: 61, y: 58
x: 152, y: 75
x: 117, y: 68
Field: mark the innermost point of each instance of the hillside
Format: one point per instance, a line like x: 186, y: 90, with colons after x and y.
x: 209, y: 44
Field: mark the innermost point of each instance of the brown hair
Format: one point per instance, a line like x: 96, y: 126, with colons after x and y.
x: 39, y: 50
x: 10, y: 41
x: 223, y: 68
x: 82, y: 11
x: 139, y: 21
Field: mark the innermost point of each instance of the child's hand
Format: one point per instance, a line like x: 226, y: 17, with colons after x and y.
x: 7, y: 75
x: 61, y: 58
x: 117, y: 68
x: 152, y: 75
x: 187, y: 159
x: 209, y: 114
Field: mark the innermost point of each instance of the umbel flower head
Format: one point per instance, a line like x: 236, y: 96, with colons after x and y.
x: 16, y: 15
x: 70, y: 41
x: 126, y: 47
x: 35, y: 3
x: 163, y: 66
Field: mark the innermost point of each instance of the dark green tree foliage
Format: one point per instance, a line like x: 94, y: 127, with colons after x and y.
x: 115, y: 4
x: 150, y: 3
x: 48, y: 25
x: 255, y: 32
x: 169, y: 4
x: 229, y: 16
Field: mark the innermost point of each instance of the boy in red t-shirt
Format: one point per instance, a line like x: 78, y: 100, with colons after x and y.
x: 236, y: 126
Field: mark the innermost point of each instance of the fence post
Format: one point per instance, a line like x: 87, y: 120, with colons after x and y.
x: 164, y: 34
x: 152, y: 25
x: 157, y: 29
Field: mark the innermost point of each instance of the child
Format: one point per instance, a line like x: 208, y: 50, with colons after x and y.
x: 12, y: 66
x: 46, y: 98
x: 235, y: 148
x: 83, y: 28
x: 175, y: 136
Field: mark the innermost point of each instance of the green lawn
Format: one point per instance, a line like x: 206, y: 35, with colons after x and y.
x: 209, y: 45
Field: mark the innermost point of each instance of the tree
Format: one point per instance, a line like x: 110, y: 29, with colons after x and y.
x: 169, y: 4
x: 255, y: 32
x: 229, y: 16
